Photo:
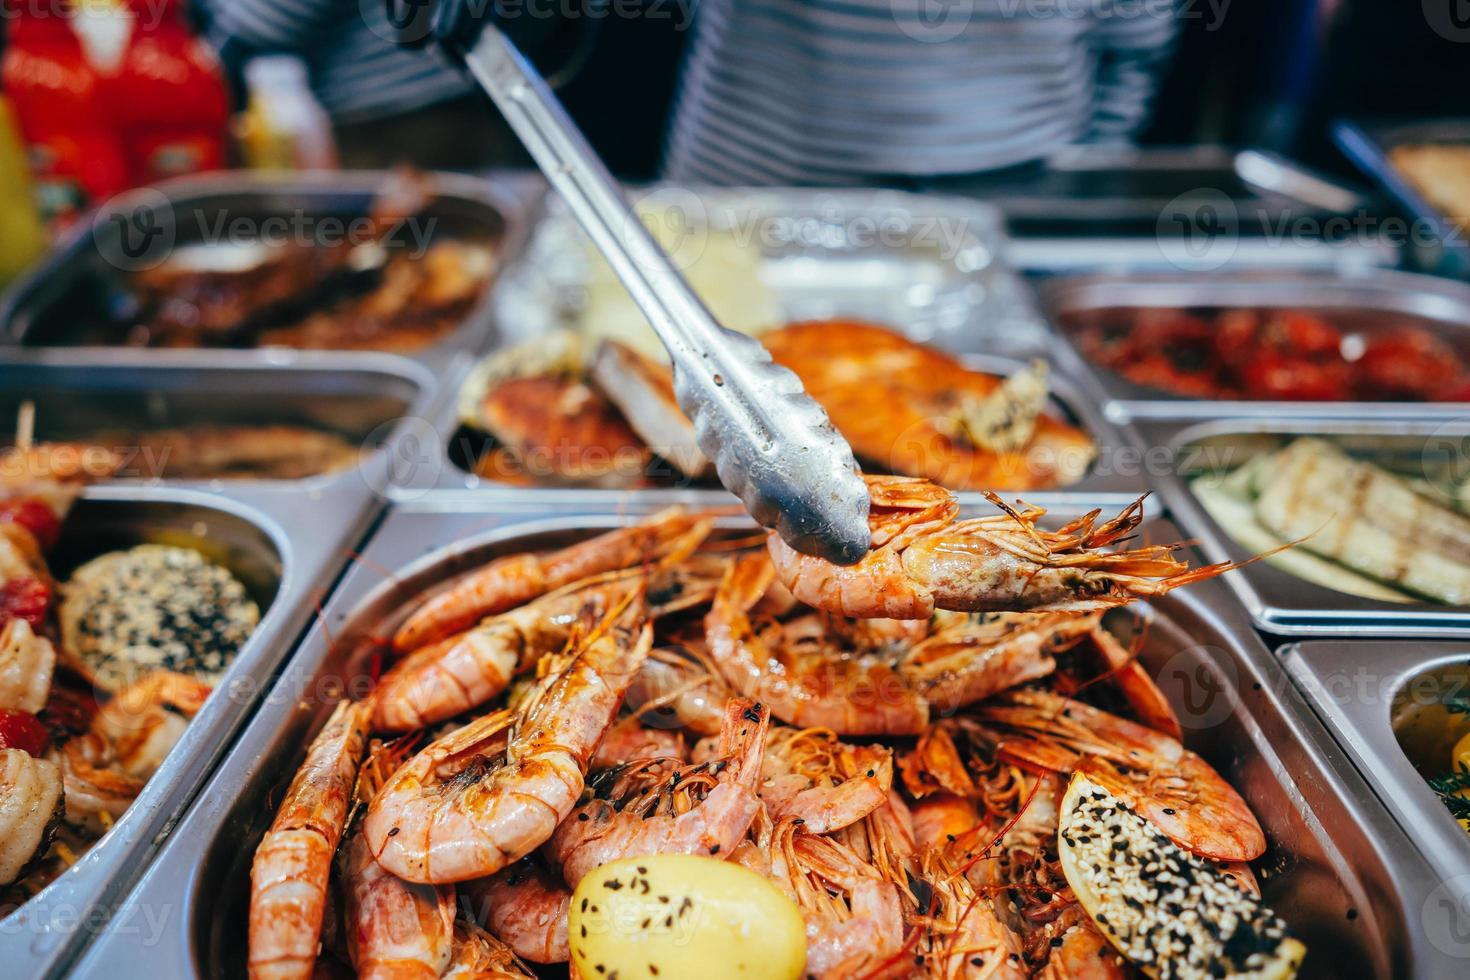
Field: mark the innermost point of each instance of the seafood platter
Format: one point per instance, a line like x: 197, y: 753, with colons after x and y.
x: 352, y: 633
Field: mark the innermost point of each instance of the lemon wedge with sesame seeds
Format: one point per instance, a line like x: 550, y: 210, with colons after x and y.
x: 1165, y: 910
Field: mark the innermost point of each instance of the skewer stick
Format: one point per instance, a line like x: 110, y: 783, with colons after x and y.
x: 25, y: 426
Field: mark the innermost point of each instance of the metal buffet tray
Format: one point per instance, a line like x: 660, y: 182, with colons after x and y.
x: 287, y: 558
x: 84, y: 279
x: 1368, y: 146
x: 1116, y: 473
x: 1339, y: 870
x: 1358, y: 689
x: 1094, y: 206
x: 1279, y: 602
x: 78, y: 394
x: 927, y: 266
x: 285, y: 539
x: 930, y: 266
x: 1356, y: 301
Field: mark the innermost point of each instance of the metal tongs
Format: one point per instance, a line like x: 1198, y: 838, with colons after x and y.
x: 771, y: 444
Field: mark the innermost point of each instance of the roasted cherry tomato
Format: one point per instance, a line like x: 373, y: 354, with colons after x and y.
x: 1292, y: 332
x: 69, y: 710
x: 1408, y: 363
x: 1274, y: 378
x: 1165, y: 373
x: 1161, y: 330
x: 1458, y: 390
x: 22, y: 730
x: 24, y: 598
x: 1236, y: 339
x: 35, y: 516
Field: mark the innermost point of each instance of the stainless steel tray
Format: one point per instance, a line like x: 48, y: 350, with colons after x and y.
x: 1093, y: 207
x: 361, y: 397
x: 288, y: 557
x: 1278, y: 602
x: 1356, y: 687
x: 1368, y: 146
x: 1339, y: 870
x: 85, y: 275
x: 1118, y: 472
x: 929, y: 265
x: 1437, y: 304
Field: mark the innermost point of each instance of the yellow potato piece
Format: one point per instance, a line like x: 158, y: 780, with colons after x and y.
x: 676, y: 915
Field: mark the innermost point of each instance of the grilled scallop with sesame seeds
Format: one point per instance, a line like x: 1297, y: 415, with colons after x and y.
x: 1170, y: 913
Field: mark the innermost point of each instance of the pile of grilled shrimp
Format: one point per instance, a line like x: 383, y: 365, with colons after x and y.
x: 940, y: 755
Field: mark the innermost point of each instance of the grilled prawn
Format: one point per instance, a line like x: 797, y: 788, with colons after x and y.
x: 293, y: 864
x: 865, y: 689
x: 923, y: 559
x: 507, y: 582
x: 1170, y: 786
x: 649, y: 807
x: 489, y: 793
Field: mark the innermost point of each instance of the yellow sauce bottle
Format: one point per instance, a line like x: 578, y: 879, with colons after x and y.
x: 21, y: 239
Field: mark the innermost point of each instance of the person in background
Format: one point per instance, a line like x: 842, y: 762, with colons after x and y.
x: 388, y: 105
x: 771, y: 91
x: 853, y: 91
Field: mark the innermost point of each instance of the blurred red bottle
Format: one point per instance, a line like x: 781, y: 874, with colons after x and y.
x: 75, y: 153
x: 168, y: 95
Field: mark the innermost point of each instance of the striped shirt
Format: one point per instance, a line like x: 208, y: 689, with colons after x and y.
x: 357, y: 71
x: 844, y: 91
x: 807, y: 91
